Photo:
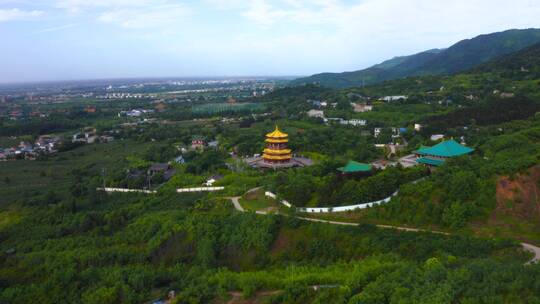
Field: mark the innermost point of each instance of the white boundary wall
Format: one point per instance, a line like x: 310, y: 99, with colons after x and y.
x: 340, y: 208
x: 126, y: 190
x: 181, y: 190
x: 200, y: 189
x: 347, y: 208
x: 272, y: 195
x: 333, y: 209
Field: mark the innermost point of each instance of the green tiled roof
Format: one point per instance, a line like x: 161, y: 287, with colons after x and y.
x: 448, y: 148
x: 430, y: 161
x: 353, y: 166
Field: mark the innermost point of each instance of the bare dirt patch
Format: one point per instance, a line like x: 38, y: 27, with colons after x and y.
x: 517, y: 213
x: 519, y: 196
x: 282, y: 241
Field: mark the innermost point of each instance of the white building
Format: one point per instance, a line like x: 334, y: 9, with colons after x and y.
x: 315, y: 113
x: 436, y: 137
x: 393, y: 98
x: 354, y: 122
x: 362, y: 107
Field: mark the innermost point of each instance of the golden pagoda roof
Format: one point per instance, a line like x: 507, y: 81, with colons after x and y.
x: 277, y: 157
x: 277, y: 134
x: 277, y: 141
x: 277, y: 152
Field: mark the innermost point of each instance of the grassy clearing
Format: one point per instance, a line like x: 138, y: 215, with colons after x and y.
x: 257, y: 201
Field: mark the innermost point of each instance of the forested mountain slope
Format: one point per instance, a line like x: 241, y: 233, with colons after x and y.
x: 521, y: 64
x: 461, y: 56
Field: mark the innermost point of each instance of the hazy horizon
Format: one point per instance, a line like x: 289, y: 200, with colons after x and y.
x: 156, y: 78
x: 67, y: 40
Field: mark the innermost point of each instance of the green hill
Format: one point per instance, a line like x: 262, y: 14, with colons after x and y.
x: 524, y: 63
x: 462, y: 56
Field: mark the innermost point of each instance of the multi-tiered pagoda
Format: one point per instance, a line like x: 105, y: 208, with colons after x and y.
x: 277, y: 153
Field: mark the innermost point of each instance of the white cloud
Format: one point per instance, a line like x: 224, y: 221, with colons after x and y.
x: 17, y: 14
x: 262, y: 12
x: 57, y: 28
x: 148, y: 17
x: 266, y: 36
x: 76, y: 6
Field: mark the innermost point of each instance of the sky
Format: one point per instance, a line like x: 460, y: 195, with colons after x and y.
x: 94, y: 39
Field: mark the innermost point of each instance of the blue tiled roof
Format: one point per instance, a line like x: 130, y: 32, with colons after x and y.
x: 430, y: 161
x: 449, y: 148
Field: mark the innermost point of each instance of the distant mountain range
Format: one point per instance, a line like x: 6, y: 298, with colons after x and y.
x: 460, y: 57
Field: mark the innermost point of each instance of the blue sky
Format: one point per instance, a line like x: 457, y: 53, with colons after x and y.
x: 85, y: 39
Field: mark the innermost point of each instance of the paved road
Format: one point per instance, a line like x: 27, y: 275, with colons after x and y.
x: 380, y: 226
x: 527, y: 247
x: 533, y: 249
x: 236, y: 202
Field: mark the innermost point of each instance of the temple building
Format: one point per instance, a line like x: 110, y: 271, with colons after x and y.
x: 436, y: 155
x: 277, y: 154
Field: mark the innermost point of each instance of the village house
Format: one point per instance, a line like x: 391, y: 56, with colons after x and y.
x: 88, y: 136
x: 47, y: 144
x: 382, y: 164
x: 25, y: 151
x: 7, y: 154
x: 165, y: 169
x: 179, y: 160
x: 315, y: 113
x: 318, y: 103
x: 377, y: 132
x: 15, y: 115
x: 361, y: 107
x: 90, y: 110
x: 198, y: 143
x: 134, y: 113
x: 106, y: 139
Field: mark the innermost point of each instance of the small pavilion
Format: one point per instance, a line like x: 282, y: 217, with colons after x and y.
x: 436, y: 156
x: 353, y: 167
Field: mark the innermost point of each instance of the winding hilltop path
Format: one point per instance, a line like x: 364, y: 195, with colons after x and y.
x: 236, y: 203
x: 528, y: 247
